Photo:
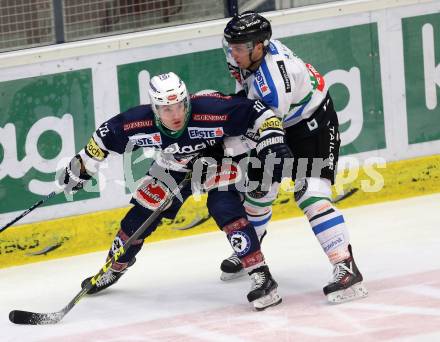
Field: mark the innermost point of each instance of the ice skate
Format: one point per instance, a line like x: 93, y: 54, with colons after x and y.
x: 231, y: 268
x: 263, y: 292
x: 346, y: 284
x: 107, y: 279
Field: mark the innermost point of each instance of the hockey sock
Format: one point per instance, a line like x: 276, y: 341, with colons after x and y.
x: 260, y: 222
x: 328, y: 224
x: 129, y: 255
x: 244, y: 240
x: 259, y: 212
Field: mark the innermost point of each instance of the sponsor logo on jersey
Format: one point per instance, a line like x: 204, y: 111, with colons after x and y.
x: 212, y: 94
x: 227, y: 173
x: 316, y: 77
x: 94, y: 151
x: 151, y: 194
x: 210, y: 117
x: 187, y: 149
x: 262, y: 83
x: 271, y: 123
x: 143, y: 140
x: 137, y: 124
x: 205, y: 133
x: 283, y: 72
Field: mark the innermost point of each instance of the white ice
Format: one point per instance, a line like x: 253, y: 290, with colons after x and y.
x: 173, y: 292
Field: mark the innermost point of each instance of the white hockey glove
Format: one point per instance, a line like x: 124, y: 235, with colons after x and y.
x: 74, y: 176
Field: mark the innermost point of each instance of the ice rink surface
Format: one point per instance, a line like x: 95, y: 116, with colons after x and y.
x: 173, y: 292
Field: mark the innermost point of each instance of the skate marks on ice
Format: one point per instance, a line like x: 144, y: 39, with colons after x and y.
x: 402, y: 307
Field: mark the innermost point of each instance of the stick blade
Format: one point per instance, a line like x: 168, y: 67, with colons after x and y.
x: 34, y: 318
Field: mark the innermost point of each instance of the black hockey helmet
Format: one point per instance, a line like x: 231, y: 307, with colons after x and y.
x: 248, y: 27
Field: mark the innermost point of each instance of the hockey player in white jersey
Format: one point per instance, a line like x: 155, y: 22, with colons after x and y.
x: 266, y: 69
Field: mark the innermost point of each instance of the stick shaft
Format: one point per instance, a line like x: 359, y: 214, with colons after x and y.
x: 27, y: 211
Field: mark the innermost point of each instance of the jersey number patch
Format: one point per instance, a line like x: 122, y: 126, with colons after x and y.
x: 258, y: 106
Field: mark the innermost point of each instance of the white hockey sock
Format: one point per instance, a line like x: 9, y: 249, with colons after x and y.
x: 328, y: 224
x: 260, y: 222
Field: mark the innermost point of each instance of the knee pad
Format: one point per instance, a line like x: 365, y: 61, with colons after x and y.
x: 311, y: 190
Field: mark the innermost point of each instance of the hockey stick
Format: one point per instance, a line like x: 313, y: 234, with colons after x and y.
x: 342, y: 197
x: 35, y: 318
x: 27, y: 211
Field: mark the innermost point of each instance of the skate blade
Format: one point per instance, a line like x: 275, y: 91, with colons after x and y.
x: 267, y: 301
x: 356, y: 291
x: 230, y: 276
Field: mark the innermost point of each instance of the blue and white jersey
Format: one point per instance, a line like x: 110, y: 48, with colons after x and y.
x: 292, y: 88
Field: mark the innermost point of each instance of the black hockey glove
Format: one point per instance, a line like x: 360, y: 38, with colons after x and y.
x: 208, y: 158
x: 269, y: 147
x: 74, y: 176
x: 215, y: 151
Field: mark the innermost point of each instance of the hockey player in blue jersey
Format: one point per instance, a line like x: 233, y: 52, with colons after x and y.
x: 181, y: 128
x: 266, y: 69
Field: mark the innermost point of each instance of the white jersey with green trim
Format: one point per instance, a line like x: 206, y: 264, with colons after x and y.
x: 292, y: 88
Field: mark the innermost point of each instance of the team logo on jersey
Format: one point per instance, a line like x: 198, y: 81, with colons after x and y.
x: 144, y: 140
x: 317, y: 79
x: 205, y: 133
x: 262, y: 83
x: 94, y: 151
x: 137, y: 124
x: 283, y: 72
x: 187, y: 149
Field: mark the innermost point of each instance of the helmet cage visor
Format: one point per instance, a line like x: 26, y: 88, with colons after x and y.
x: 241, y: 49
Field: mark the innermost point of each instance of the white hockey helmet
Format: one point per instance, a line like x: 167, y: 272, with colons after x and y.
x: 168, y: 89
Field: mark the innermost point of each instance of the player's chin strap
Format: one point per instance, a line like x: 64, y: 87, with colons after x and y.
x: 34, y: 318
